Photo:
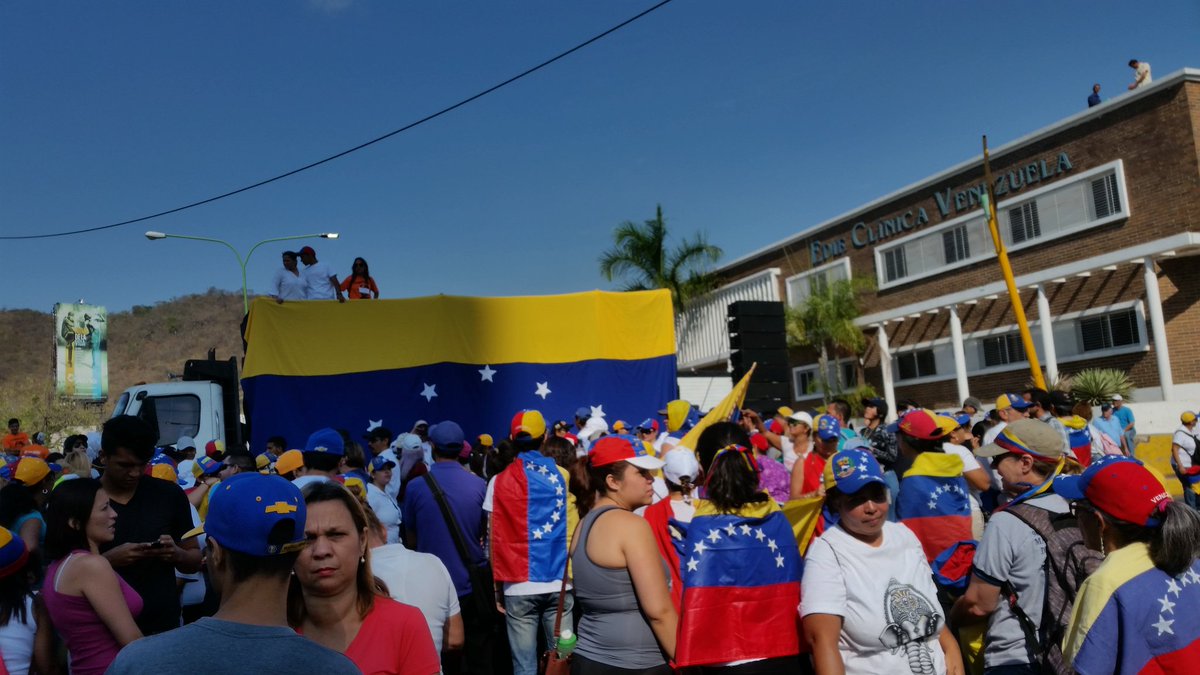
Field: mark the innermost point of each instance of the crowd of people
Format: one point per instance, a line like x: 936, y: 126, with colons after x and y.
x: 1021, y: 539
x: 318, y: 281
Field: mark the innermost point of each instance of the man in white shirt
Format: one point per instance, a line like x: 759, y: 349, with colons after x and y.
x: 289, y: 283
x: 320, y: 281
x: 1141, y: 76
x: 420, y: 580
x: 322, y: 454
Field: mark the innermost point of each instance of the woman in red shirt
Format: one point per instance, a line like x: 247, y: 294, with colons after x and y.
x: 360, y: 285
x: 338, y: 603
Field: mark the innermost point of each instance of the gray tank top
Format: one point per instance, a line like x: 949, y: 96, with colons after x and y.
x: 612, y: 629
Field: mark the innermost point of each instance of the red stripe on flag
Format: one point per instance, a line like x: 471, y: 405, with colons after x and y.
x: 1179, y: 661
x: 721, y: 624
x: 510, y: 525
x: 938, y: 533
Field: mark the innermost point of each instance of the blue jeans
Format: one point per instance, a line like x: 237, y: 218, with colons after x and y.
x: 523, y: 614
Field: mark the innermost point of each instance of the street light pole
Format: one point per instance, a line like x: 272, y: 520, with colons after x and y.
x: 242, y: 262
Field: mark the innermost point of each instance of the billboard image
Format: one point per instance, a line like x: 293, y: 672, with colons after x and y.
x: 81, y: 351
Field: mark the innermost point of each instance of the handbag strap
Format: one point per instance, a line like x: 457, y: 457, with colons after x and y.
x: 451, y: 524
x: 562, y: 591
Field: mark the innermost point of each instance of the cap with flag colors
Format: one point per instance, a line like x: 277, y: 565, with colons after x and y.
x: 1015, y: 401
x: 851, y: 470
x: 924, y: 425
x: 207, y: 466
x: 528, y: 422
x: 613, y: 449
x: 1026, y: 437
x: 1121, y: 487
x: 828, y: 428
x: 13, y: 553
x: 256, y: 515
x: 475, y: 360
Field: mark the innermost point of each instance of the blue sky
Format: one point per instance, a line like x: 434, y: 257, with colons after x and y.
x: 749, y: 121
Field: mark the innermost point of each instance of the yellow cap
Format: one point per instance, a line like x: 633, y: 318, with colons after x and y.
x: 1187, y: 417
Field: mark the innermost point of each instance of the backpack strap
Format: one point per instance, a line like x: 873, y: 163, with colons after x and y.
x: 1039, y: 521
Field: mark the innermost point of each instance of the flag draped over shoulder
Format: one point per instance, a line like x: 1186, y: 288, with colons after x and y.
x: 740, y: 572
x: 529, y: 520
x: 934, y: 502
x: 1131, y: 612
x: 476, y: 361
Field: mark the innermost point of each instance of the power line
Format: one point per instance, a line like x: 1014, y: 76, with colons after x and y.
x: 356, y: 148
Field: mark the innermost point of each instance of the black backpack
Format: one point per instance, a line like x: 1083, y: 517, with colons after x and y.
x: 1068, y: 563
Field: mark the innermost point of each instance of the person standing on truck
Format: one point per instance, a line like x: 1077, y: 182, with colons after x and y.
x: 152, y: 518
x: 289, y: 283
x: 320, y: 281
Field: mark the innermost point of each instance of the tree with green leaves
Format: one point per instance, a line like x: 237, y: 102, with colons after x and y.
x: 825, y: 322
x: 641, y: 255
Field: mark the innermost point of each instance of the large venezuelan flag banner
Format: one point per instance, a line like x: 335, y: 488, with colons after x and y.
x: 934, y: 502
x: 472, y: 360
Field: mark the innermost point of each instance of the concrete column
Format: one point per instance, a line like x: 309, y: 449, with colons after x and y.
x: 1049, y: 355
x: 960, y: 355
x: 1158, y: 329
x: 885, y: 367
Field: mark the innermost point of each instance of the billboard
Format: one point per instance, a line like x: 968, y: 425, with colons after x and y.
x: 81, y: 351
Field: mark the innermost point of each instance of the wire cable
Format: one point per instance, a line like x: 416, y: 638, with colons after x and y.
x: 356, y: 148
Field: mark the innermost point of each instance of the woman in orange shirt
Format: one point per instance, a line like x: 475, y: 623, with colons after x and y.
x: 359, y: 285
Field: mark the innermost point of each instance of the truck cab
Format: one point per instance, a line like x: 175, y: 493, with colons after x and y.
x: 205, y: 404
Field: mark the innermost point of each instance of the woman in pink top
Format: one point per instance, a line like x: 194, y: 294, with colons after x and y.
x: 89, y: 604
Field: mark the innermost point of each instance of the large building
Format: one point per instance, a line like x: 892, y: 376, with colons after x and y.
x: 1100, y: 213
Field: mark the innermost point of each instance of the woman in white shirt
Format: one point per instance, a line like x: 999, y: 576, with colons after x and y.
x: 869, y: 604
x: 386, y: 509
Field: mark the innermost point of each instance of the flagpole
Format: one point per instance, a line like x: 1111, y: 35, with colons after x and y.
x: 989, y: 205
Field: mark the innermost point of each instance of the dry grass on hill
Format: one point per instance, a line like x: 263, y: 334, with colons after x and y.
x: 145, y: 344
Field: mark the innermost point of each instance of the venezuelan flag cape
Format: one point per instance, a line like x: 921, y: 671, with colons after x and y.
x: 472, y: 360
x: 1130, y: 617
x: 934, y: 502
x: 530, y: 528
x: 741, y: 573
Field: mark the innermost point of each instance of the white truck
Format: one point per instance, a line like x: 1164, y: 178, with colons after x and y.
x: 205, y: 404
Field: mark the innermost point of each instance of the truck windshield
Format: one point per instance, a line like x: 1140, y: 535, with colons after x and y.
x: 122, y: 404
x: 172, y: 416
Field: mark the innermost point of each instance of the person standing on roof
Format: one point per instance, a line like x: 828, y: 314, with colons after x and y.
x: 321, y: 283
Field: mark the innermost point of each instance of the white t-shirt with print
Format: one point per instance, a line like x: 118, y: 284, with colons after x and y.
x: 885, y: 596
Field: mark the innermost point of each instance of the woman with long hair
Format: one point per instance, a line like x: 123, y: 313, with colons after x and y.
x: 740, y: 566
x: 1137, y: 612
x: 628, y: 623
x: 26, y: 637
x: 22, y: 499
x: 91, y: 606
x: 360, y: 285
x: 869, y: 604
x: 336, y: 601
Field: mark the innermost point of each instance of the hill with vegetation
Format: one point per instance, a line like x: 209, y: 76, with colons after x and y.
x: 146, y: 344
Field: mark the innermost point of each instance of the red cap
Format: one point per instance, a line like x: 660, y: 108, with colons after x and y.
x: 924, y: 425
x: 1122, y: 487
x: 613, y: 449
x: 307, y: 250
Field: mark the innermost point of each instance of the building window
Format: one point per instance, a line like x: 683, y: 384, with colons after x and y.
x: 849, y: 374
x: 895, y: 264
x: 954, y: 242
x: 805, y: 382
x: 1002, y: 350
x: 1118, y: 329
x: 1105, y: 197
x: 801, y: 286
x: 914, y: 364
x: 1024, y: 222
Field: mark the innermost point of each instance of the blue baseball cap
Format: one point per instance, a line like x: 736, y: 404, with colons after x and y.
x: 447, y: 436
x: 583, y: 412
x: 245, y: 512
x: 828, y: 428
x: 380, y: 463
x: 326, y: 441
x: 851, y: 470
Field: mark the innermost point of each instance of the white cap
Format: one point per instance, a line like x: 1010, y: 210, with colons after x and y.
x: 679, y: 464
x: 801, y: 416
x: 184, y: 443
x: 1117, y: 397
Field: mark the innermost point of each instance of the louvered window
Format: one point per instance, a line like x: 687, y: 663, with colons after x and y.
x: 912, y: 365
x: 955, y: 244
x: 895, y: 263
x: 1105, y: 196
x: 1118, y: 329
x: 1023, y: 220
x: 1002, y: 350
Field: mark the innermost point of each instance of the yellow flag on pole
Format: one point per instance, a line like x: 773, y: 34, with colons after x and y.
x: 720, y: 412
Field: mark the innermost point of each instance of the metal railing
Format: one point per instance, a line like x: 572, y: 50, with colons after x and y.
x: 701, y: 332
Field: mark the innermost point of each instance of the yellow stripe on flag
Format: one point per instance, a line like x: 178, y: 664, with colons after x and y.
x: 721, y: 412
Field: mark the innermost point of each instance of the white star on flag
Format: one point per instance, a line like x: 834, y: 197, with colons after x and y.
x: 543, y: 390
x: 547, y: 528
x: 429, y: 392
x: 558, y: 503
x: 693, y: 564
x: 372, y: 425
x: 1167, y: 605
x: 1164, y: 625
x: 554, y: 516
x: 714, y: 536
x: 758, y: 534
x: 553, y: 479
x: 598, y: 410
x: 932, y: 505
x: 745, y: 529
x: 1173, y: 587
x: 699, y: 547
x: 772, y: 545
x: 779, y: 560
x: 486, y: 374
x: 541, y: 468
x: 730, y: 529
x: 537, y: 534
x: 558, y: 490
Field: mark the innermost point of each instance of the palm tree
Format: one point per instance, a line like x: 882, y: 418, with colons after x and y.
x: 640, y: 255
x: 825, y: 321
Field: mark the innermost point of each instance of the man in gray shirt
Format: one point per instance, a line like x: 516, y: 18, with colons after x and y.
x: 255, y: 532
x: 1025, y: 454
